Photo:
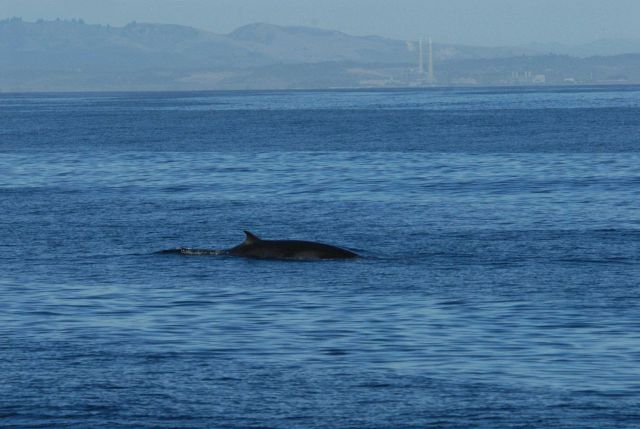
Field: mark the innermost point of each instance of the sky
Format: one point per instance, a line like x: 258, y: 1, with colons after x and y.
x: 472, y: 22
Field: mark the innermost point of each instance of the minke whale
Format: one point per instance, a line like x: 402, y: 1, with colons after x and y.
x: 257, y: 248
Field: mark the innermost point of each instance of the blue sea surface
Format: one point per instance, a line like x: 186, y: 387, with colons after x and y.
x: 499, y: 288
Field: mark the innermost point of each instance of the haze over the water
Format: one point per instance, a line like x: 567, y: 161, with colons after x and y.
x: 486, y: 22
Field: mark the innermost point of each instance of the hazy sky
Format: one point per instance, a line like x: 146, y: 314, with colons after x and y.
x: 479, y: 22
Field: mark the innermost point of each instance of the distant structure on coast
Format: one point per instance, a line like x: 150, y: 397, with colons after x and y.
x: 420, y: 60
x: 431, y: 79
x: 430, y: 76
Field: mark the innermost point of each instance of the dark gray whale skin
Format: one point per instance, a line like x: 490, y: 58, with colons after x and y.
x: 256, y: 248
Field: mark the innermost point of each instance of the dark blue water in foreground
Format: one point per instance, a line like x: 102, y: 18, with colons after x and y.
x: 500, y: 287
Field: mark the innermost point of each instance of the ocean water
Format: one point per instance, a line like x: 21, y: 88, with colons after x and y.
x: 499, y: 288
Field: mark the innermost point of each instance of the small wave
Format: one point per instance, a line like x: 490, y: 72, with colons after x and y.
x: 191, y: 252
x: 625, y: 261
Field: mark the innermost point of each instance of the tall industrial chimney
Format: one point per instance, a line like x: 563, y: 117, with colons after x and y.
x: 432, y: 76
x: 420, y: 60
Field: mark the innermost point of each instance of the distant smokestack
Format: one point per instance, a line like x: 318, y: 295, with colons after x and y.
x: 432, y: 76
x: 420, y: 58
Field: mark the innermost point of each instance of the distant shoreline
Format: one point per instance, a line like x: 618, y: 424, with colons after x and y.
x: 528, y: 88
x: 72, y: 56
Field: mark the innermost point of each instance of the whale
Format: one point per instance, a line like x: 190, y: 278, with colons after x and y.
x: 256, y: 248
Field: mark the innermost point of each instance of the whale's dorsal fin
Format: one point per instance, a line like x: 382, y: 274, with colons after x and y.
x: 251, y: 238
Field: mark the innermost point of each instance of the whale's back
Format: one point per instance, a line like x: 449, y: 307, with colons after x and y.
x: 291, y: 249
